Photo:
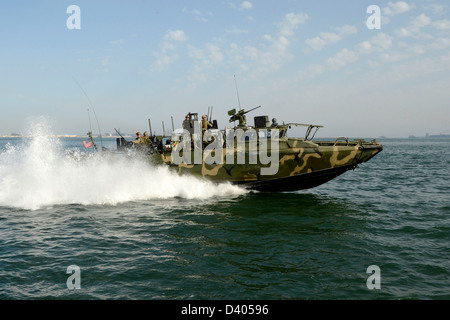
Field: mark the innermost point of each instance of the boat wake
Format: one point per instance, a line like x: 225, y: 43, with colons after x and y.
x: 41, y: 172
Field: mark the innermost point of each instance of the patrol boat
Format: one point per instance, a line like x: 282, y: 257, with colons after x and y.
x: 260, y: 157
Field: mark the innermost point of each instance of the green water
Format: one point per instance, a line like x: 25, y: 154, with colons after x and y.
x: 180, y: 239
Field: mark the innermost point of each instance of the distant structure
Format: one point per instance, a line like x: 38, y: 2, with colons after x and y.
x: 431, y: 136
x: 440, y: 136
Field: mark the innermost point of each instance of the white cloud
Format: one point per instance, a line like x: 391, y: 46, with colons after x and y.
x: 347, y: 30
x: 421, y: 21
x: 330, y: 37
x: 316, y: 43
x: 246, y: 5
x: 420, y: 67
x: 273, y: 53
x: 412, y: 49
x: 378, y: 43
x: 84, y: 60
x: 436, y: 8
x: 236, y: 30
x: 251, y: 52
x: 442, y: 24
x: 312, y: 71
x: 382, y: 40
x: 163, y: 59
x: 365, y: 47
x: 413, y: 30
x: 210, y: 56
x: 287, y: 27
x: 408, y: 49
x: 255, y: 61
x: 117, y: 42
x: 106, y: 61
x: 342, y: 58
x: 440, y: 44
x: 165, y: 55
x: 338, y: 61
x: 326, y: 38
x: 290, y: 23
x: 197, y: 14
x: 397, y: 8
x: 176, y: 35
x: 213, y: 55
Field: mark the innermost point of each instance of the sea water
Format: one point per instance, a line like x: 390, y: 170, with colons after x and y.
x: 138, y: 231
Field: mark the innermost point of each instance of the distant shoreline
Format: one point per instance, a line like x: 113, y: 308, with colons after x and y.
x: 12, y: 136
x: 61, y: 136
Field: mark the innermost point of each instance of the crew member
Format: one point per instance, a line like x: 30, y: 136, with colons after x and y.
x: 139, y: 139
x: 187, y: 125
x: 274, y: 122
x: 205, y: 123
x: 146, y: 138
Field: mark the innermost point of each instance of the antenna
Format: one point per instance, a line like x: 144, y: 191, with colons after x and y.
x: 93, y: 110
x: 90, y: 131
x: 89, y: 116
x: 237, y: 92
x: 150, y: 126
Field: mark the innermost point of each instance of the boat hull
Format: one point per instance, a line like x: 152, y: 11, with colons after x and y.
x: 297, y: 182
x: 300, y: 165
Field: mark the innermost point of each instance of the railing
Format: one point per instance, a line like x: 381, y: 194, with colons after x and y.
x: 308, y: 131
x: 339, y: 139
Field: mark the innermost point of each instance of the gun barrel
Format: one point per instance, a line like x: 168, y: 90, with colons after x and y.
x: 252, y: 109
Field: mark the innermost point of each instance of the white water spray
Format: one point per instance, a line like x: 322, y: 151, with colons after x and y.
x: 39, y: 172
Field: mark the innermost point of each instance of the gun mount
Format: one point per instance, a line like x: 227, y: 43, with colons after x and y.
x: 240, y: 116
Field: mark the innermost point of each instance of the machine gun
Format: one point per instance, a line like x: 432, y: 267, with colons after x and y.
x: 240, y: 116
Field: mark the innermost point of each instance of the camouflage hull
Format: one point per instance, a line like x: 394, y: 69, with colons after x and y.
x: 298, y: 181
x: 301, y: 165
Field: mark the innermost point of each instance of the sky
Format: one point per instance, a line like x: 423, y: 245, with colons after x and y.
x: 357, y: 72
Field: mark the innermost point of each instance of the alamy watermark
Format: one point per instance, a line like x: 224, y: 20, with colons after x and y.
x: 74, y: 281
x: 239, y: 145
x: 374, y: 21
x: 74, y: 20
x: 374, y: 280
